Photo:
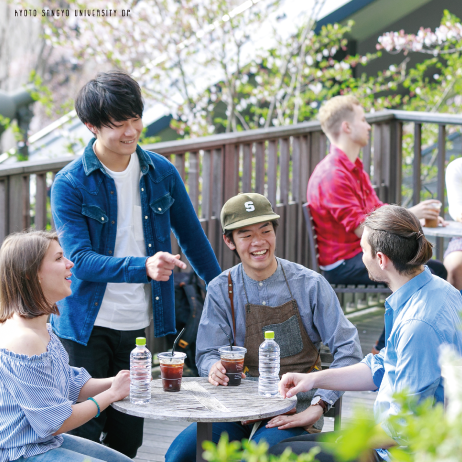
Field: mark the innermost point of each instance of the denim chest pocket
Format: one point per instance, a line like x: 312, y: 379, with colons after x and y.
x: 93, y: 211
x: 289, y: 336
x: 160, y: 208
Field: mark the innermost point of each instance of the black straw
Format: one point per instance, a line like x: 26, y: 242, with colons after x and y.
x: 229, y: 339
x: 176, y: 340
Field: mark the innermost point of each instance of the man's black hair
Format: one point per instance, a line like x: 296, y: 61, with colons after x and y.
x: 229, y: 234
x: 111, y: 96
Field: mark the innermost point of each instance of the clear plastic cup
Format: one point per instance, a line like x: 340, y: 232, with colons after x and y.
x: 171, y: 369
x: 433, y: 222
x: 233, y: 362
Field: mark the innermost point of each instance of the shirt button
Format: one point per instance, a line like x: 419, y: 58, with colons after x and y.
x: 157, y: 298
x: 110, y: 252
x: 260, y: 284
x: 112, y: 222
x: 142, y: 189
x: 159, y: 209
x: 264, y: 303
x: 102, y: 218
x: 146, y: 217
x: 149, y: 245
x: 112, y: 192
x: 96, y: 304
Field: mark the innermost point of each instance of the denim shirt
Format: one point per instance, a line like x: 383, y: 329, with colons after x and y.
x: 84, y: 207
x: 419, y: 317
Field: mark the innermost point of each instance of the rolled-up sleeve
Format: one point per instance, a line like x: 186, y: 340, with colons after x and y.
x: 32, y: 386
x: 375, y: 364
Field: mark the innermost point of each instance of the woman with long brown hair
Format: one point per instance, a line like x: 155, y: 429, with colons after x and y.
x: 41, y: 396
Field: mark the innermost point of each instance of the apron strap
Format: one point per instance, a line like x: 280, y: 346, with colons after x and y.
x: 231, y: 299
x: 287, y: 282
x: 315, y: 363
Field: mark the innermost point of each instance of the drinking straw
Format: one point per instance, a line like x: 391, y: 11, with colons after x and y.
x: 229, y: 339
x: 176, y: 340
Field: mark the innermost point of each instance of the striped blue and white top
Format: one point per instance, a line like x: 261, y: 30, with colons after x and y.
x: 36, y: 395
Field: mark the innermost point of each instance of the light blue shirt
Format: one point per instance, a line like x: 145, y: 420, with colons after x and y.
x: 321, y: 314
x: 36, y: 397
x: 419, y: 317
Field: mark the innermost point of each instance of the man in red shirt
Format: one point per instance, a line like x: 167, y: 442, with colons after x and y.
x: 340, y: 195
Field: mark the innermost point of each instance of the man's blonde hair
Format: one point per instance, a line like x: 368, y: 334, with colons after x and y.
x: 335, y: 111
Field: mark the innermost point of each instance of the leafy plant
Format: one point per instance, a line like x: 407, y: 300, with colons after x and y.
x: 250, y: 451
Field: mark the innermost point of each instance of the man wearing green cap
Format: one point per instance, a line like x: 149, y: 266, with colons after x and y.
x: 263, y: 293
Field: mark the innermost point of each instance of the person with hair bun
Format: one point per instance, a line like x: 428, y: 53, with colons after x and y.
x: 422, y: 314
x: 41, y: 396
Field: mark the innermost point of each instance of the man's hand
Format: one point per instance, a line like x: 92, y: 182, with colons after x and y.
x: 293, y: 383
x: 304, y: 419
x: 217, y: 375
x: 160, y: 266
x: 426, y: 209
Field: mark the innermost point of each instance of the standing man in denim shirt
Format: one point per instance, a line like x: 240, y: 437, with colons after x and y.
x: 422, y: 314
x: 114, y: 209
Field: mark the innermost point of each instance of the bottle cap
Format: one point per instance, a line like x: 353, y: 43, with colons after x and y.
x: 141, y: 341
x: 269, y: 334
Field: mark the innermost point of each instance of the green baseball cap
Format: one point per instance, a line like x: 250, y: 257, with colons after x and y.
x: 246, y: 209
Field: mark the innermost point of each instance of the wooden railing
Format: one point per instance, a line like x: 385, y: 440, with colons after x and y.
x: 276, y: 162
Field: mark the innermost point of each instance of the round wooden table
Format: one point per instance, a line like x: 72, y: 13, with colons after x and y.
x: 199, y: 401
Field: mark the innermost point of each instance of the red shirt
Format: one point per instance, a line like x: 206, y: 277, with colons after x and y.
x: 340, y: 195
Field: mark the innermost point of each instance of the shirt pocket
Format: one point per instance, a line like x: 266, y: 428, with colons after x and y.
x: 96, y: 225
x: 161, y: 209
x: 94, y: 212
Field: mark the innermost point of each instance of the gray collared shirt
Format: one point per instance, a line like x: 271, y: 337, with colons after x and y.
x: 319, y: 308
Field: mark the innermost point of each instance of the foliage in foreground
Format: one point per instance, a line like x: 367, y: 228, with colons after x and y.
x: 426, y: 433
x: 250, y: 451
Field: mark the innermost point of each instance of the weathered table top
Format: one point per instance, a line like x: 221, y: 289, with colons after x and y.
x: 199, y: 401
x: 453, y: 229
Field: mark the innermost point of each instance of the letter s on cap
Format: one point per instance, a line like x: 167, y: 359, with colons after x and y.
x: 249, y: 207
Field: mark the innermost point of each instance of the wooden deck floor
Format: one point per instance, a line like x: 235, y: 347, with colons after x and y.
x: 158, y: 435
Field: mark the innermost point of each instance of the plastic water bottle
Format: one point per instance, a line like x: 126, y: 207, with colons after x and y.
x: 268, y: 366
x: 140, y: 373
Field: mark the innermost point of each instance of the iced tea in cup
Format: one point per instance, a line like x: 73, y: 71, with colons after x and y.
x: 433, y: 222
x: 233, y: 362
x: 171, y: 369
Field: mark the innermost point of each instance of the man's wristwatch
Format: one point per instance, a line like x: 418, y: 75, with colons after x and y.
x: 317, y: 401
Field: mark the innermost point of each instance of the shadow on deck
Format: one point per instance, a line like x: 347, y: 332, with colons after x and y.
x: 158, y: 434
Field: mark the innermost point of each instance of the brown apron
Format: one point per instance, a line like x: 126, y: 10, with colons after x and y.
x: 298, y: 353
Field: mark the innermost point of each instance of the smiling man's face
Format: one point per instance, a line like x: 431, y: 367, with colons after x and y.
x: 256, y: 245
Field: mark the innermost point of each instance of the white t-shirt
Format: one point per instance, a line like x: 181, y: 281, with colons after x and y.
x: 127, y: 306
x: 454, y: 187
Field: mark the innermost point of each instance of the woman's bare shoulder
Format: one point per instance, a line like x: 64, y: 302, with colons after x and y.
x: 22, y: 341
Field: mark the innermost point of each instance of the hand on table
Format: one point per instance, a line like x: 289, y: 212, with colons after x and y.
x: 293, y: 383
x: 160, y: 266
x: 217, y: 375
x: 121, y: 385
x: 303, y: 419
x: 425, y: 209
